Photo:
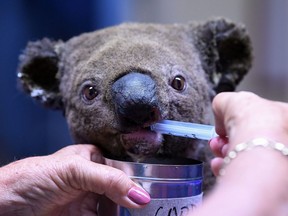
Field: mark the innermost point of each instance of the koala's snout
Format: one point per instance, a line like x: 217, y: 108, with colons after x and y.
x: 135, y: 99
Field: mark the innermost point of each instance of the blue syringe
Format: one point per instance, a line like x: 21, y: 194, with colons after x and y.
x: 185, y: 129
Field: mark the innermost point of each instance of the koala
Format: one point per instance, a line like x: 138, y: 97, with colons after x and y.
x: 113, y: 84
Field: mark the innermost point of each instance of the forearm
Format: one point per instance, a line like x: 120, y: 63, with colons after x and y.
x: 255, y: 183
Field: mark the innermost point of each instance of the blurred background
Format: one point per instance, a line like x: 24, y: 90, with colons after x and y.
x: 27, y: 129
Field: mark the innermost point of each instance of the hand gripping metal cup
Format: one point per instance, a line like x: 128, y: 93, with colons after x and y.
x: 175, y: 186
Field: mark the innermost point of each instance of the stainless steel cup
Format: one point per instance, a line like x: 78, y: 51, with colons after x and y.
x: 175, y: 186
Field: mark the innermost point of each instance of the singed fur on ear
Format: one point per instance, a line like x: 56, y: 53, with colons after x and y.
x: 38, y: 72
x: 226, y: 52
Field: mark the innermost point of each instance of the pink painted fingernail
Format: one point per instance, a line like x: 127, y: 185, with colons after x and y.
x: 139, y: 196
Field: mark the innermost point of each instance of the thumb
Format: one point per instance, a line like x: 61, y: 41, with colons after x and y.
x: 216, y: 164
x: 83, y: 174
x: 113, y: 183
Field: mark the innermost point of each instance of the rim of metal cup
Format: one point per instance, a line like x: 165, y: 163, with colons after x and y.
x: 158, y: 169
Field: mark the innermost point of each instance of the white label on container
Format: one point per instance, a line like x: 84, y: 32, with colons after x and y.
x: 169, y: 207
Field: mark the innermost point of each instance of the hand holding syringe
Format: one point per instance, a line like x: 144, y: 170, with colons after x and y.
x: 185, y: 129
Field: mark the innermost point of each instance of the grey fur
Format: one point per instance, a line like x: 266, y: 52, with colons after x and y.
x: 212, y: 57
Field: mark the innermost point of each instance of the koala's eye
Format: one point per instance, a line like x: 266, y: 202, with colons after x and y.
x: 89, y: 92
x: 178, y: 83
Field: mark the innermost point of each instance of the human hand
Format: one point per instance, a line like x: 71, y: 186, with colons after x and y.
x: 255, y: 182
x: 243, y: 116
x: 68, y: 182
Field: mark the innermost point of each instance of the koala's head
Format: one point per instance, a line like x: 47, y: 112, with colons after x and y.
x: 112, y: 84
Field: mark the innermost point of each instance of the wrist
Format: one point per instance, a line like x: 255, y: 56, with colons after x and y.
x: 258, y: 177
x: 250, y: 145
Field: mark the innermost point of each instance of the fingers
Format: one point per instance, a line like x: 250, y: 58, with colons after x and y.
x: 82, y: 173
x: 116, y: 185
x: 230, y: 111
x: 230, y: 108
x: 219, y: 107
x: 219, y: 146
x: 241, y: 116
x: 216, y: 164
x: 88, y: 152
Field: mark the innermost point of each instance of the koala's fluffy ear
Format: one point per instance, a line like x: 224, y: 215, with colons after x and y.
x: 38, y: 72
x: 226, y: 52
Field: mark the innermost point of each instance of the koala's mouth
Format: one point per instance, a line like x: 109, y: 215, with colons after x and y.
x: 141, y: 143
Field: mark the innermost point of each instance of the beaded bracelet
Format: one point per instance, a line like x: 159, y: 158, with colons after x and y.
x: 245, y: 146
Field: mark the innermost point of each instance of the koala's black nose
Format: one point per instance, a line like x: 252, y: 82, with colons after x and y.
x: 135, y: 99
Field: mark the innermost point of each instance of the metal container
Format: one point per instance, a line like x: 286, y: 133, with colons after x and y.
x: 175, y: 186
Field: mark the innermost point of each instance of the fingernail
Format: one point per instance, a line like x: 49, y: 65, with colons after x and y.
x: 212, y: 140
x: 139, y: 196
x: 97, y: 158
